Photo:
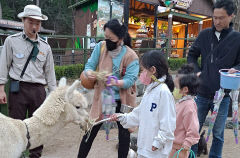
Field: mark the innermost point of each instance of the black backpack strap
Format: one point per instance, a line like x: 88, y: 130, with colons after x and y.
x: 26, y: 64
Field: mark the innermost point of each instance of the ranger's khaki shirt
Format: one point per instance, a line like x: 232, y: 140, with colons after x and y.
x: 14, y: 55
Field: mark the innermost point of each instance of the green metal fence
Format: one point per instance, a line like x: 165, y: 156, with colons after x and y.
x: 68, y: 49
x: 77, y: 49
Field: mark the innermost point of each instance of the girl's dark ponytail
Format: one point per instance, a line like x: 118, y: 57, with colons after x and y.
x: 169, y: 82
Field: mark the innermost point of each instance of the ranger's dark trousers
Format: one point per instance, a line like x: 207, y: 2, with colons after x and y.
x: 28, y: 99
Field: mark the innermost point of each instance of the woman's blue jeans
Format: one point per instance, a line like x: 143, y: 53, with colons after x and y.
x: 204, y: 105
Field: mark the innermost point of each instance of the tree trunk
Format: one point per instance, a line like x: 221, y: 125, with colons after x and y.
x: 236, y: 20
x: 0, y: 11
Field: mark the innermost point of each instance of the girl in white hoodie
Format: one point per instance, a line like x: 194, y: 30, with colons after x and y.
x: 156, y: 115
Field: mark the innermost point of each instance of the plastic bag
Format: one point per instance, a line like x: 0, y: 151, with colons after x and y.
x: 108, y: 106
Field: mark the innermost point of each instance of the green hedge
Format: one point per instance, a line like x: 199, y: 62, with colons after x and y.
x: 74, y: 71
x: 176, y: 63
x: 69, y: 71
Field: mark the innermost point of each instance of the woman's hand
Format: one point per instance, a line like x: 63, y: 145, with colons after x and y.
x: 113, y: 82
x: 154, y: 148
x: 90, y: 75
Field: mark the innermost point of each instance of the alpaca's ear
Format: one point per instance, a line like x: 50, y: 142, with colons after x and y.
x: 71, y: 89
x: 62, y: 82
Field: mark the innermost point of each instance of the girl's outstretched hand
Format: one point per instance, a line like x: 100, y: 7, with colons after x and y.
x: 154, y: 148
x: 114, y: 117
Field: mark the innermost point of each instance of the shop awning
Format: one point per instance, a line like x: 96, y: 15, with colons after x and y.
x: 153, y: 2
x: 15, y: 25
x: 202, y: 7
x: 179, y: 17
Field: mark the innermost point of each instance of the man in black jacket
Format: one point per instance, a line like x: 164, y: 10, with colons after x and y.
x: 219, y: 48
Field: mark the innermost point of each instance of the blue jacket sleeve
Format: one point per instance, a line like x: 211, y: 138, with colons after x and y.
x: 131, y: 74
x: 93, y: 60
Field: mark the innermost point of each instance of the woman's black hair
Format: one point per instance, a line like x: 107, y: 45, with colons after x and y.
x: 119, y: 30
x: 228, y: 5
x: 158, y: 60
x: 187, y: 78
x: 127, y: 40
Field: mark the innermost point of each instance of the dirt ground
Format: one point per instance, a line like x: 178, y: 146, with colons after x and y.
x: 66, y: 143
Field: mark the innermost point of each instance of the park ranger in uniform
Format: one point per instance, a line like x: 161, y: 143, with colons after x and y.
x: 27, y: 59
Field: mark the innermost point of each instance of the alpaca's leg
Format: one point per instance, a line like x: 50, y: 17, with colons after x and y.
x: 205, y: 149
x: 36, y: 152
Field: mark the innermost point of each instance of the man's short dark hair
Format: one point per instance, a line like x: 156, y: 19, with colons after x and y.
x: 228, y: 5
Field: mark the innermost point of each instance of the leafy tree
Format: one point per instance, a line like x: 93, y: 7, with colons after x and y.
x: 10, y: 8
x: 59, y: 15
x: 236, y: 20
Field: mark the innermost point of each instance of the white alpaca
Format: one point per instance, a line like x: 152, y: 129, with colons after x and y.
x: 62, y: 106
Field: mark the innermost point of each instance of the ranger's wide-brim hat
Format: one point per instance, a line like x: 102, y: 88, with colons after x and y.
x: 32, y: 11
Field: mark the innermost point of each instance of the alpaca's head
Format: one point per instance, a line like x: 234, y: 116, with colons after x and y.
x: 76, y: 103
x: 65, y: 102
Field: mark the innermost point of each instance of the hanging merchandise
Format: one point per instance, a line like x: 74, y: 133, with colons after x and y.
x: 227, y: 81
x: 108, y: 105
x: 234, y: 95
x: 217, y: 101
x: 142, y: 33
x: 108, y: 108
